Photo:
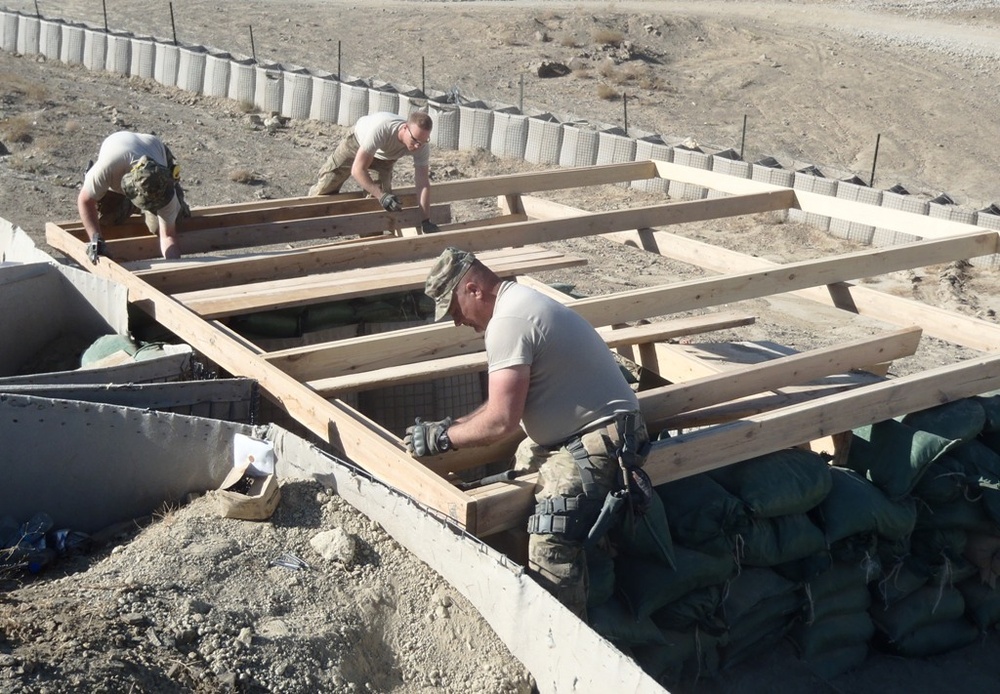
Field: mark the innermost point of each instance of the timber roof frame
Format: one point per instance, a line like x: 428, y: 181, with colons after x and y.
x: 761, y: 409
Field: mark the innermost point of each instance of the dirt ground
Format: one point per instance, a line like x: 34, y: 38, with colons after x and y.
x: 187, y: 602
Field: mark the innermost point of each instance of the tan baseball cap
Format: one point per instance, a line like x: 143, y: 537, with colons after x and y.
x: 447, y: 272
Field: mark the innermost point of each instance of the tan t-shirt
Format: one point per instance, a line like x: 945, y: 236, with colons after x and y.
x: 575, y: 382
x: 115, y: 159
x: 377, y: 135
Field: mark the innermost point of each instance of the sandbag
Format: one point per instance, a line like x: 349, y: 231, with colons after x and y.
x: 701, y: 512
x: 754, y: 639
x: 983, y: 551
x: 687, y: 655
x: 959, y: 514
x: 615, y: 622
x: 778, y: 484
x: 648, y: 585
x: 838, y: 661
x: 647, y: 535
x: 855, y: 506
x: 832, y: 633
x: 990, y: 403
x: 934, y: 639
x: 936, y: 545
x: 750, y: 589
x: 805, y: 569
x: 698, y: 609
x: 849, y: 600
x: 962, y: 419
x: 901, y: 578
x: 982, y: 603
x: 894, y: 456
x: 943, y: 481
x: 982, y: 467
x: 925, y: 606
x: 771, y: 541
x: 105, y: 346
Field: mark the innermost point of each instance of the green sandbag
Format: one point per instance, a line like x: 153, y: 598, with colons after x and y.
x: 832, y: 633
x: 944, y: 480
x: 982, y: 603
x: 756, y: 641
x: 699, y: 608
x: 268, y: 324
x: 805, y: 569
x: 647, y: 535
x: 615, y: 622
x: 855, y: 506
x: 901, y: 578
x: 701, y: 512
x: 962, y: 419
x: 836, y: 662
x: 991, y: 439
x: 329, y: 315
x: 842, y: 576
x: 778, y: 484
x: 934, y: 545
x: 648, y: 585
x: 991, y: 407
x: 686, y: 656
x: 953, y: 571
x: 961, y: 514
x: 771, y: 541
x: 982, y: 465
x: 105, y: 346
x: 780, y: 611
x: 923, y: 607
x: 601, y: 577
x: 751, y: 588
x: 935, y: 639
x: 847, y: 601
x: 894, y: 456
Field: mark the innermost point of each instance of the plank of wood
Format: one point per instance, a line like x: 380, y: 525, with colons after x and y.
x: 659, y: 404
x: 469, y: 363
x: 506, y: 505
x: 349, y: 284
x: 707, y: 449
x: 943, y: 324
x: 277, y: 232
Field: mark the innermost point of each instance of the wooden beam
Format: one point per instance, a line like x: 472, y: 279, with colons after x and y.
x: 659, y: 404
x: 502, y: 506
x: 467, y: 363
x: 707, y: 449
x: 943, y: 324
x: 338, y: 286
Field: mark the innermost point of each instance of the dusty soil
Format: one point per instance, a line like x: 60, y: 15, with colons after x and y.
x: 188, y: 602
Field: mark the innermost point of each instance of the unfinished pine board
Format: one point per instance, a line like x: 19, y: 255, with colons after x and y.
x: 350, y: 284
x: 937, y: 322
x: 466, y: 363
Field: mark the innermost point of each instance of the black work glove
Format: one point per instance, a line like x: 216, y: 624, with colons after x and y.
x: 428, y: 438
x: 429, y: 227
x: 390, y: 202
x: 96, y: 248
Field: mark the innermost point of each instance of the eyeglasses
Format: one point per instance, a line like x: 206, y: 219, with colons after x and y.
x: 416, y: 142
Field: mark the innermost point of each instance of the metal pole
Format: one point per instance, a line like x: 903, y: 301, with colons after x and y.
x: 743, y: 138
x: 39, y: 15
x: 520, y: 103
x: 338, y: 59
x: 871, y: 181
x: 625, y: 109
x: 423, y: 75
x: 173, y: 27
x: 253, y: 49
x: 104, y: 6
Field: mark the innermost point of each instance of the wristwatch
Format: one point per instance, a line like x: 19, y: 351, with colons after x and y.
x: 444, y: 441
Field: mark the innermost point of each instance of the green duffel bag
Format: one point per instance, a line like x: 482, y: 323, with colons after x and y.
x: 895, y: 456
x: 777, y: 484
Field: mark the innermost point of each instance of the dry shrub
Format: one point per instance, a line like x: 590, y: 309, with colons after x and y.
x: 28, y: 164
x: 71, y: 127
x: 247, y: 107
x: 18, y: 86
x: 568, y: 41
x: 244, y: 176
x: 603, y: 35
x: 17, y: 129
x: 582, y: 73
x: 608, y: 71
x: 607, y: 92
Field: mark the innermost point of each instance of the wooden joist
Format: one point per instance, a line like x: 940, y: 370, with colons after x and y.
x: 476, y: 361
x: 351, y: 284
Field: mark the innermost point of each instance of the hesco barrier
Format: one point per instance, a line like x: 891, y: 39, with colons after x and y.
x: 539, y: 138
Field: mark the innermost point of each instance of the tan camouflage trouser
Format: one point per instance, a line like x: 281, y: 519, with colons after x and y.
x: 557, y: 563
x: 337, y: 168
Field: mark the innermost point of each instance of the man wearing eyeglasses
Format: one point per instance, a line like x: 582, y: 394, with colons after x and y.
x: 373, y: 145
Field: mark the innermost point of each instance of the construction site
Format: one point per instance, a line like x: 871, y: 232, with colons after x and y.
x: 826, y: 428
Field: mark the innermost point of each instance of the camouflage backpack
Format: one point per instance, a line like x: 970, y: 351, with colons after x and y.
x: 149, y: 185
